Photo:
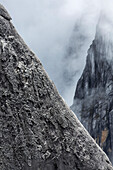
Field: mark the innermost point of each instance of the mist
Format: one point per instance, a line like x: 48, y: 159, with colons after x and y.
x: 52, y: 28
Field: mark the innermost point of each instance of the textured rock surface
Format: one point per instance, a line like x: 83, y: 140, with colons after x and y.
x: 93, y: 101
x: 37, y: 130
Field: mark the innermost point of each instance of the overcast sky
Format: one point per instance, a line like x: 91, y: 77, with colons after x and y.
x: 47, y: 25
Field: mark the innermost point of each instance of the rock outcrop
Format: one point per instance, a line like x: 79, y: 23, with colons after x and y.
x: 37, y: 129
x: 93, y: 101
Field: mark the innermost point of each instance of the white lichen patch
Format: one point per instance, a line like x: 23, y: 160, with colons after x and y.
x: 20, y: 64
x: 4, y: 44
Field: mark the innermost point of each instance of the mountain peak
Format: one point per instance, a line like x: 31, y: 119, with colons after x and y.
x: 104, y: 29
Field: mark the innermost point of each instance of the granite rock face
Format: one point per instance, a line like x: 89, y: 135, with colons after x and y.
x: 37, y: 129
x: 93, y: 101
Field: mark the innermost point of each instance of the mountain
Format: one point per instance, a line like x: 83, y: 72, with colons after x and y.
x: 37, y: 129
x: 93, y: 100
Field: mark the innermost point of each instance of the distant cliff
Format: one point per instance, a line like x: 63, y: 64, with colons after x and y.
x: 93, y: 100
x: 37, y: 129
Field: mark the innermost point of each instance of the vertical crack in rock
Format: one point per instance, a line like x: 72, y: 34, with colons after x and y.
x: 37, y: 129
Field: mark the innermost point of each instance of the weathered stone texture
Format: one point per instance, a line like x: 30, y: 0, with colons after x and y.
x: 37, y: 129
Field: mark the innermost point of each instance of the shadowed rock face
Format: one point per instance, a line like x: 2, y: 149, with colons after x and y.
x: 93, y: 101
x: 37, y: 129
